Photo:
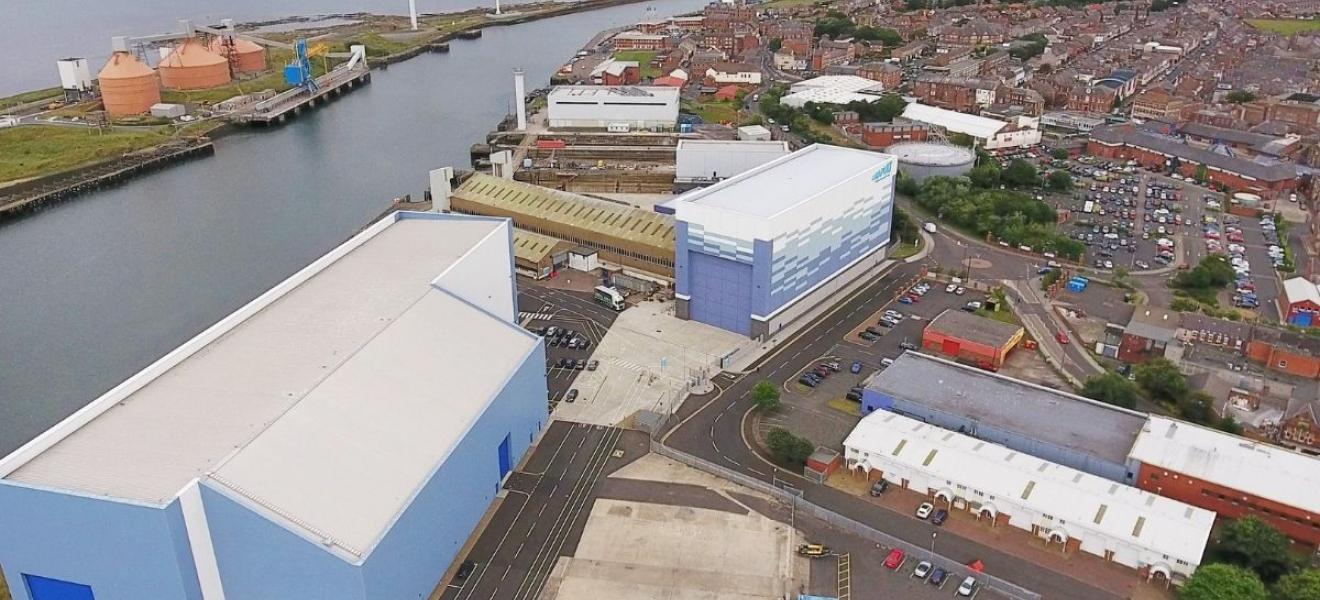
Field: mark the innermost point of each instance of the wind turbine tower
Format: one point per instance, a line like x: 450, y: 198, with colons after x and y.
x: 412, y: 13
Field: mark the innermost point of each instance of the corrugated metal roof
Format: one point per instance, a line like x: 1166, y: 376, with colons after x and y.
x: 973, y: 125
x: 975, y: 328
x: 532, y: 247
x: 616, y: 220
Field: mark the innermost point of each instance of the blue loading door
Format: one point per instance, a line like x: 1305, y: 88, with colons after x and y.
x: 721, y: 292
x: 506, y: 461
x: 42, y: 588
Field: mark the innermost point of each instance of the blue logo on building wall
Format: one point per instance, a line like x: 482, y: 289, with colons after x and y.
x: 883, y: 172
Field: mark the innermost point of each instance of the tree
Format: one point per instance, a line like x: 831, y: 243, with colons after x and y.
x: 906, y: 186
x: 1239, y: 96
x: 1060, y: 181
x: 962, y: 139
x: 1201, y: 174
x: 766, y: 395
x: 789, y: 448
x: 1223, y: 582
x: 1112, y: 388
x: 1059, y: 154
x: 1162, y: 380
x: 1020, y: 174
x: 1303, y: 585
x: 985, y: 175
x: 1253, y: 544
x: 776, y: 44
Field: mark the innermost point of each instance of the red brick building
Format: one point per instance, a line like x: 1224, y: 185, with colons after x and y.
x: 955, y: 93
x: 884, y: 135
x: 1285, y: 352
x: 636, y: 40
x: 1230, y: 475
x: 974, y: 339
x: 1300, y: 427
x: 1147, y: 334
x: 888, y: 74
x: 1127, y: 142
x: 1093, y: 99
x: 1159, y: 105
x: 1300, y: 302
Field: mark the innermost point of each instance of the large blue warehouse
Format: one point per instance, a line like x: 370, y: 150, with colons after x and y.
x: 339, y: 437
x: 758, y: 250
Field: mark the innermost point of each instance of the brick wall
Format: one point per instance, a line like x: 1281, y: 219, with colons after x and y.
x: 1301, y: 526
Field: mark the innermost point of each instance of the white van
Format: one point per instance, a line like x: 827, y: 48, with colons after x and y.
x: 930, y: 227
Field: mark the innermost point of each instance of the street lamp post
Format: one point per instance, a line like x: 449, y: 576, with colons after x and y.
x: 933, y: 535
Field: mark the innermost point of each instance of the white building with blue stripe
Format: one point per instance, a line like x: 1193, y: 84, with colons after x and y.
x: 339, y: 437
x: 756, y: 251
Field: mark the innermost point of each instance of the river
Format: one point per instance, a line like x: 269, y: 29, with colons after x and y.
x: 94, y: 289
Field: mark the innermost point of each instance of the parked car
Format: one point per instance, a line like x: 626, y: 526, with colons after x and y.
x: 856, y: 367
x: 879, y: 487
x: 592, y: 364
x: 895, y: 559
x: 937, y: 576
x: 571, y: 396
x: 967, y: 586
x: 939, y: 517
x: 908, y: 346
x: 1062, y: 336
x: 924, y: 510
x: 923, y: 569
x: 465, y: 569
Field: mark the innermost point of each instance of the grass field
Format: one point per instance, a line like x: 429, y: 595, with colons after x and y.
x: 25, y: 97
x: 643, y: 58
x: 712, y: 111
x: 1285, y: 26
x: 36, y: 150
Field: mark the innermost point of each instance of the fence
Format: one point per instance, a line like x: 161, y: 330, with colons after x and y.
x: 794, y: 497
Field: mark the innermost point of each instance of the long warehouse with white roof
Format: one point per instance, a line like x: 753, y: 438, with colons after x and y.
x: 339, y: 437
x: 756, y: 251
x: 1064, y: 506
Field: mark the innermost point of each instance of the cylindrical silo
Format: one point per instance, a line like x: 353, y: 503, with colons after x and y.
x: 128, y: 86
x: 244, y: 55
x: 193, y: 67
x: 920, y: 160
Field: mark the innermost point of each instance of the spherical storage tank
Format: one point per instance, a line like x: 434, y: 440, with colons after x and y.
x: 245, y: 55
x: 920, y: 160
x: 128, y: 85
x: 191, y: 66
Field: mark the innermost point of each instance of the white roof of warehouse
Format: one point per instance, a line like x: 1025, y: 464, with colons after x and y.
x: 1256, y: 468
x: 1300, y: 289
x: 613, y: 92
x: 834, y: 89
x: 329, y: 404
x: 1078, y: 499
x: 785, y: 182
x: 952, y: 120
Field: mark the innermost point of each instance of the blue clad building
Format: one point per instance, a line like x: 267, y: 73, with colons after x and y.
x: 758, y: 250
x: 339, y: 437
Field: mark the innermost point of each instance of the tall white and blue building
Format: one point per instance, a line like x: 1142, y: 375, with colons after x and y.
x: 339, y: 437
x: 756, y: 251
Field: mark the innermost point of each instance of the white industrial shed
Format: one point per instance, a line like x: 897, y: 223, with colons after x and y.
x: 833, y: 89
x: 613, y: 107
x: 338, y: 437
x: 707, y: 161
x: 991, y: 134
x: 1060, y: 504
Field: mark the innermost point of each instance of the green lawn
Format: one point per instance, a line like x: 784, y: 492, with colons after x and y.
x: 643, y: 58
x: 906, y: 249
x: 36, y: 150
x: 1285, y: 26
x: 712, y: 111
x: 33, y: 96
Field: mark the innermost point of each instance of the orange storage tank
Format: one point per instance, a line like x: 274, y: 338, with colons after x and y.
x: 128, y: 85
x: 191, y: 66
x: 245, y: 56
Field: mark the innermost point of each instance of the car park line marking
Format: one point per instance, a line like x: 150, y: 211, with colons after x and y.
x: 845, y: 577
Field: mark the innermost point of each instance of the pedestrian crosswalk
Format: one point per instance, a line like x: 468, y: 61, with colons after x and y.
x: 527, y: 317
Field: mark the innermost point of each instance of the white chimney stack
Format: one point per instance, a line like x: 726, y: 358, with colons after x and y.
x: 497, y: 7
x: 412, y: 13
x: 520, y: 98
x: 441, y: 188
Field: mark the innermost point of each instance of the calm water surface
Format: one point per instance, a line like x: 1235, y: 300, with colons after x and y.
x: 95, y: 289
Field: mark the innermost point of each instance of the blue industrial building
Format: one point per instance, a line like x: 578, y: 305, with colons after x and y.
x: 1062, y: 428
x: 339, y: 437
x: 756, y: 251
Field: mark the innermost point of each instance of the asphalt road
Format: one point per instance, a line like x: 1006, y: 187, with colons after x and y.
x: 545, y: 510
x: 714, y: 427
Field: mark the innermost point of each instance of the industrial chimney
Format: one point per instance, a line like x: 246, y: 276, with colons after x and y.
x: 520, y: 98
x: 412, y: 13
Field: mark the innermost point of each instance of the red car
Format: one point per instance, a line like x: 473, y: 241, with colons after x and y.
x: 895, y: 559
x: 1062, y: 336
